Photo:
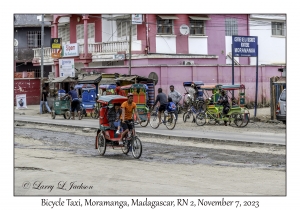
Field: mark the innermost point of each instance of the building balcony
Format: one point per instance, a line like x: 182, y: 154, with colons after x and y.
x: 23, y: 54
x: 103, y: 51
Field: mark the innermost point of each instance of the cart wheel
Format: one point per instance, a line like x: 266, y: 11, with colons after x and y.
x: 68, y: 115
x: 154, y: 119
x: 201, y: 119
x: 171, y: 121
x: 136, y: 148
x: 101, y: 144
x: 53, y: 114
x: 125, y: 149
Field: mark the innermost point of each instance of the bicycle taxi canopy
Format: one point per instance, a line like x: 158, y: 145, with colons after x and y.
x: 111, y: 99
x: 197, y: 83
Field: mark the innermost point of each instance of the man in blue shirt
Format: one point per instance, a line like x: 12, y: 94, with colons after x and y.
x: 75, y: 104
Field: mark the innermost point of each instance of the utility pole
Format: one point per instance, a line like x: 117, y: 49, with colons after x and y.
x: 42, y: 56
x: 130, y: 40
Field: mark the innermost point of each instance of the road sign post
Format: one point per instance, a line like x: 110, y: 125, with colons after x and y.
x: 246, y: 46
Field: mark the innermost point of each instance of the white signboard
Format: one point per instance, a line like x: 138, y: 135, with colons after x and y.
x: 70, y: 50
x: 66, y: 68
x: 137, y: 19
x: 21, y: 101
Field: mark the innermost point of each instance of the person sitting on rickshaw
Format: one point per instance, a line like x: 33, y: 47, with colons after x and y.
x: 127, y: 114
x: 223, y: 100
x: 171, y: 107
x: 113, y: 116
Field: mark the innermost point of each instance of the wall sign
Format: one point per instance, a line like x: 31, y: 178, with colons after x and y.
x: 66, y: 68
x: 244, y: 46
x: 70, y: 50
x: 21, y: 101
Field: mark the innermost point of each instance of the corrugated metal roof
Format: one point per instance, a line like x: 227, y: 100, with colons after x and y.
x: 61, y: 79
x: 95, y: 78
x: 107, y: 81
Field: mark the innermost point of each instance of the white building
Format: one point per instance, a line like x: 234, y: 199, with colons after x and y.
x: 271, y: 32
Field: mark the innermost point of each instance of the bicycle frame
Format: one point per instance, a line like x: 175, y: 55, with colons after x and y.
x: 171, y: 119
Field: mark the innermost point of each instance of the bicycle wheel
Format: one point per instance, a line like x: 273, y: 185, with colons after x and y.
x: 201, y: 118
x: 145, y: 122
x: 170, y: 121
x: 244, y: 118
x: 211, y: 118
x: 101, y: 144
x: 188, y: 117
x: 154, y: 122
x: 125, y: 148
x: 136, y: 147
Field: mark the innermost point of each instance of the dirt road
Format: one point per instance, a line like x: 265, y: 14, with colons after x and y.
x: 53, y: 160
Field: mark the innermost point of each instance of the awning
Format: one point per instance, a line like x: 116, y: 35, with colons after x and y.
x: 165, y: 17
x: 61, y: 79
x: 127, y: 78
x: 200, y: 17
x: 107, y: 81
x: 90, y: 79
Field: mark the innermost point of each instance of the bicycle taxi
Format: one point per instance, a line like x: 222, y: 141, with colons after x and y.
x: 238, y: 114
x: 187, y: 98
x: 106, y: 135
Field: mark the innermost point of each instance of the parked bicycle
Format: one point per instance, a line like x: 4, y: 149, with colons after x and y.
x: 169, y: 119
x: 194, y: 115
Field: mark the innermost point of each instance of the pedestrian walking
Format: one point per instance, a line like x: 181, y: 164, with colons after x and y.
x: 176, y: 98
x: 44, y: 101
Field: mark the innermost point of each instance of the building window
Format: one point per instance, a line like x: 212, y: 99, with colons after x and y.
x: 277, y: 28
x: 231, y: 27
x: 34, y: 39
x: 164, y: 26
x: 64, y: 33
x: 80, y: 31
x: 123, y: 28
x: 197, y: 27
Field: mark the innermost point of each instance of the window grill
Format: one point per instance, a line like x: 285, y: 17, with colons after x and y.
x: 80, y: 31
x: 197, y: 27
x: 64, y: 33
x: 231, y: 27
x: 123, y: 28
x: 277, y: 28
x: 164, y: 26
x: 34, y: 39
x: 37, y: 72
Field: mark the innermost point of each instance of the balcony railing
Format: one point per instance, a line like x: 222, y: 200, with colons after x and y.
x: 22, y: 54
x: 47, y: 52
x: 106, y: 47
x: 95, y: 49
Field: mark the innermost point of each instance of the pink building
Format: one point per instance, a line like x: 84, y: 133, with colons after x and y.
x: 162, y: 44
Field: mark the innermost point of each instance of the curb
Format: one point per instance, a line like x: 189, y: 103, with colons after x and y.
x: 153, y: 135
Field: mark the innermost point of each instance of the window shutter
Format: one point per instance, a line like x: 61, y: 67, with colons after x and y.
x: 91, y: 30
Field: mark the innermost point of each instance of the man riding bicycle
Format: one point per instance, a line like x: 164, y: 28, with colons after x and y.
x: 127, y: 114
x: 163, y: 102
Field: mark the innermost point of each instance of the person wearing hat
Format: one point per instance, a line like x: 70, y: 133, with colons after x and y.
x: 223, y: 100
x: 127, y: 114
